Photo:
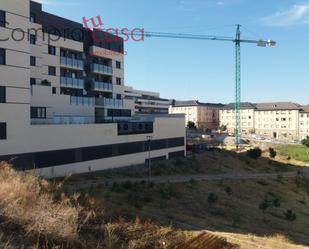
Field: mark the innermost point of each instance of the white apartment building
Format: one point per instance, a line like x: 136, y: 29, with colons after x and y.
x: 147, y: 102
x: 280, y: 120
x: 304, y: 122
x: 62, y: 105
x: 203, y: 115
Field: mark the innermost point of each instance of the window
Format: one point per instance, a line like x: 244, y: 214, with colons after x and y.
x: 32, y: 81
x: 118, y: 64
x: 32, y: 39
x: 32, y: 17
x: 2, y: 131
x: 2, y: 18
x: 32, y: 61
x: 52, y: 70
x: 54, y: 90
x: 38, y: 112
x: 118, y: 96
x: 2, y: 94
x: 52, y: 50
x: 118, y: 81
x: 2, y: 56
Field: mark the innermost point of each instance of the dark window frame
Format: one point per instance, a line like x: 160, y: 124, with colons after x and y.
x: 32, y: 81
x: 38, y: 112
x: 33, y: 17
x: 52, y: 70
x: 3, y: 131
x: 118, y: 81
x: 2, y: 94
x: 3, y: 56
x: 32, y: 61
x: 32, y: 39
x: 51, y: 50
x: 118, y: 64
x: 2, y: 18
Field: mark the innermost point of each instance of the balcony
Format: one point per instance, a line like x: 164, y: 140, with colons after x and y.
x: 71, y: 63
x: 109, y: 103
x: 102, y: 86
x: 71, y: 83
x: 84, y: 101
x: 69, y: 120
x: 101, y: 69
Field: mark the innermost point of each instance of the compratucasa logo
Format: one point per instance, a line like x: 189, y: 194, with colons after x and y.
x: 112, y: 34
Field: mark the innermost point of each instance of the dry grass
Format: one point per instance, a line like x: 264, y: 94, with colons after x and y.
x: 25, y: 201
x: 36, y: 214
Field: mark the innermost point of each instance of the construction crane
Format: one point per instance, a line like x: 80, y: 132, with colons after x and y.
x: 237, y: 40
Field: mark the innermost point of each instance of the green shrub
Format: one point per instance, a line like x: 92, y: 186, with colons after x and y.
x: 290, y: 215
x: 276, y: 202
x: 254, y: 153
x: 305, y: 141
x: 212, y: 198
x: 229, y: 190
x: 272, y: 153
x: 45, y: 83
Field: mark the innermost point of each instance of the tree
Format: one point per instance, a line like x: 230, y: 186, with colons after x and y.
x: 223, y: 128
x: 305, y: 141
x: 254, y: 153
x: 252, y: 131
x: 272, y: 153
x: 191, y: 125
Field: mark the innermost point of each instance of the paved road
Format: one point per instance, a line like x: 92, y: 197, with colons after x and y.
x: 187, y: 178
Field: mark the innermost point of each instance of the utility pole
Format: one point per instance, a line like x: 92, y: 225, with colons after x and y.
x: 149, y: 138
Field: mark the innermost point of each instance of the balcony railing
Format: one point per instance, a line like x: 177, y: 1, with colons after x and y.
x: 71, y: 82
x: 85, y: 101
x: 72, y: 63
x: 110, y: 103
x: 73, y: 120
x: 102, y: 86
x: 97, y: 68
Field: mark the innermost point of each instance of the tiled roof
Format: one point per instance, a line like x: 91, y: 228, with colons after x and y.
x: 278, y: 106
x: 195, y: 103
x: 305, y: 108
x: 243, y: 105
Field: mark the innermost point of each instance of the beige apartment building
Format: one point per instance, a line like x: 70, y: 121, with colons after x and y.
x: 62, y: 102
x: 227, y: 117
x: 203, y: 115
x: 279, y: 120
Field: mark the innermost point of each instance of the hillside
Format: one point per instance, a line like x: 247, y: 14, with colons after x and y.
x: 269, y: 213
x: 36, y: 214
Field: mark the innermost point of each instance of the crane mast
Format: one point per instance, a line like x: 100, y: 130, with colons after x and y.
x: 237, y: 40
x: 237, y: 88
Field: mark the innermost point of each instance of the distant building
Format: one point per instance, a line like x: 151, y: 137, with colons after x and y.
x: 227, y: 117
x: 281, y: 120
x: 204, y: 115
x: 277, y: 120
x: 147, y: 102
x: 304, y: 122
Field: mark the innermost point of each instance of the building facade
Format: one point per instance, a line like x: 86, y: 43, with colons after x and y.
x: 304, y: 122
x: 62, y: 105
x: 227, y: 117
x: 279, y: 120
x: 147, y: 102
x: 203, y: 115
